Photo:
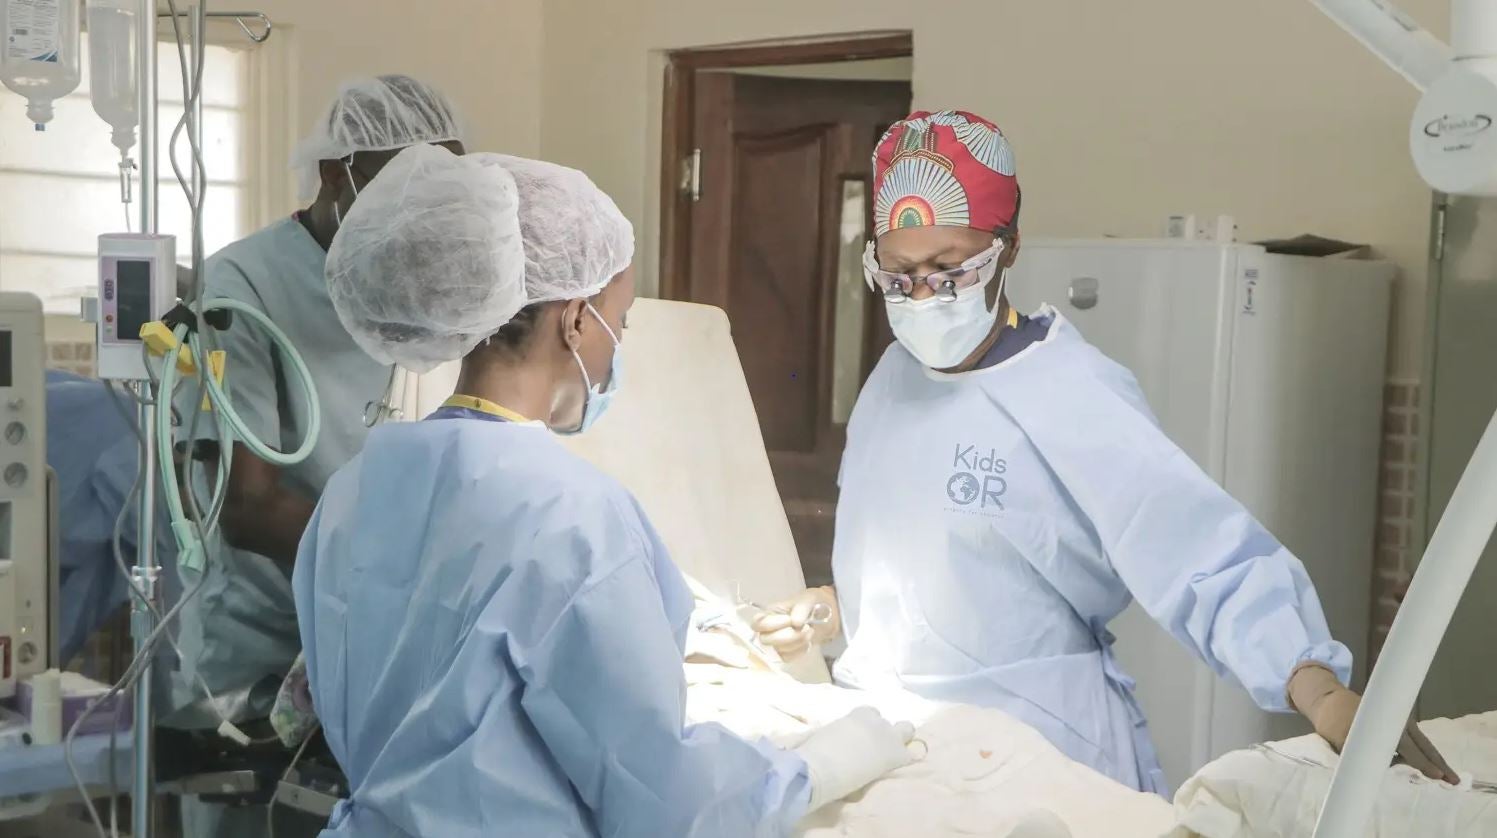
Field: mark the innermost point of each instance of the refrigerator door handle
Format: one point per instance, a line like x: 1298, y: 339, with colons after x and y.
x: 1083, y: 292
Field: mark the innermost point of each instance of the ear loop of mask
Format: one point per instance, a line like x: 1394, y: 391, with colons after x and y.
x: 587, y: 382
x: 588, y: 393
x: 348, y: 171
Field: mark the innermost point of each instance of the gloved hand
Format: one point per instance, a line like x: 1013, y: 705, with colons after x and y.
x: 852, y: 752
x: 1330, y: 707
x: 791, y: 626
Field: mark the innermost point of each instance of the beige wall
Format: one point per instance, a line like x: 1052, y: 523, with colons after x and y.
x: 1120, y: 113
x: 484, y: 54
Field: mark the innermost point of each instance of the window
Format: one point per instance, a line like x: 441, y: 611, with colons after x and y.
x: 59, y: 189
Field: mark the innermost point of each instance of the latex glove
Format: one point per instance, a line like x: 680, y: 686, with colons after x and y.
x: 790, y: 627
x: 1318, y: 696
x: 852, y: 752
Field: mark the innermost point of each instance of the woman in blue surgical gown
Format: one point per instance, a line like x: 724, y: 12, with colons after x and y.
x: 493, y: 631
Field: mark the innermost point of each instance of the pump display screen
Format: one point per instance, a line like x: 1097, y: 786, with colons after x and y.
x: 134, y: 294
x: 6, y: 372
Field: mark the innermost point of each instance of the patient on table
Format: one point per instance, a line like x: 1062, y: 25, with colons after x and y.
x: 985, y: 773
x: 980, y: 772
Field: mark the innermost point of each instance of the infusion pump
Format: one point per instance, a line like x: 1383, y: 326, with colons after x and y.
x: 28, y: 587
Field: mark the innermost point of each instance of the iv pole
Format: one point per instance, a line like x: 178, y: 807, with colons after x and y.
x: 147, y: 572
x: 143, y: 604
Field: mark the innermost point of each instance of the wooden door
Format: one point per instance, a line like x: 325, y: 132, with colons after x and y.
x: 782, y: 163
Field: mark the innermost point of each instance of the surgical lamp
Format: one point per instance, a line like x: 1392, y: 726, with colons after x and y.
x: 1454, y: 145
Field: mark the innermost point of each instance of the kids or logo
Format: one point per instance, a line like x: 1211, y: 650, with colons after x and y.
x: 978, y: 480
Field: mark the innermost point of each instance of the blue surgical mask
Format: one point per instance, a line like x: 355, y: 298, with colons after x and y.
x: 595, y: 399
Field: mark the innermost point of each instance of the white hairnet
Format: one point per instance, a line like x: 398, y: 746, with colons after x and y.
x: 428, y: 261
x: 376, y: 114
x: 576, y: 240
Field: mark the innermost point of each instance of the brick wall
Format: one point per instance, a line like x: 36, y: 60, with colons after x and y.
x: 1393, y: 564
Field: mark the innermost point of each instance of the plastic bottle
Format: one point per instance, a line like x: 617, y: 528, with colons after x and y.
x: 46, y: 708
x: 39, y: 52
x: 112, y: 68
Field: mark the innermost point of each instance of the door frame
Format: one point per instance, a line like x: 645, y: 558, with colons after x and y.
x: 675, y: 140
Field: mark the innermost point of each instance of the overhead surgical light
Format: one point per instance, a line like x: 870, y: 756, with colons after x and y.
x: 1454, y: 145
x: 1452, y: 136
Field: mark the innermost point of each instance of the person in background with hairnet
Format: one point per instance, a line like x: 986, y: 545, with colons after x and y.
x: 1006, y: 492
x: 493, y: 631
x: 238, y: 632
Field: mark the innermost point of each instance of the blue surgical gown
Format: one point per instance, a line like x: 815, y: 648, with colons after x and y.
x: 991, y: 525
x: 239, y: 633
x: 92, y: 447
x: 494, y: 638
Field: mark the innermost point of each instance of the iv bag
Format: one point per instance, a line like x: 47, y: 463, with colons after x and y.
x: 112, y: 68
x: 39, y: 52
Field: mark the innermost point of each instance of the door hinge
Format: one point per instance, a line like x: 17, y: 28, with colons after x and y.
x: 1437, y: 235
x: 691, y: 174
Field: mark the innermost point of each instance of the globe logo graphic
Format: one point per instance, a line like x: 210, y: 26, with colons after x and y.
x: 962, y: 488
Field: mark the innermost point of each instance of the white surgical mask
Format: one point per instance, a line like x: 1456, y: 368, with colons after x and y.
x: 942, y: 334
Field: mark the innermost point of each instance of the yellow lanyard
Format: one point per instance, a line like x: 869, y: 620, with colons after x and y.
x: 1013, y: 318
x: 483, y: 406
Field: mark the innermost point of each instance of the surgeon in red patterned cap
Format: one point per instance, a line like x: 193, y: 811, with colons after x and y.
x: 1006, y: 493
x: 946, y: 212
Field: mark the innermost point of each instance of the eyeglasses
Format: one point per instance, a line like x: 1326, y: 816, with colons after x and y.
x: 896, y: 287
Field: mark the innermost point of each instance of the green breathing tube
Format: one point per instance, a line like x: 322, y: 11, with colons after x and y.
x: 229, y: 425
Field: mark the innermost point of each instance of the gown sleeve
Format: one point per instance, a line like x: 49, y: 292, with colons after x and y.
x: 1193, y: 557
x: 605, y: 689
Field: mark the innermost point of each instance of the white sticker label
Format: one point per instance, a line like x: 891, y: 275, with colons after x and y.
x: 1249, y: 306
x: 31, y: 30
